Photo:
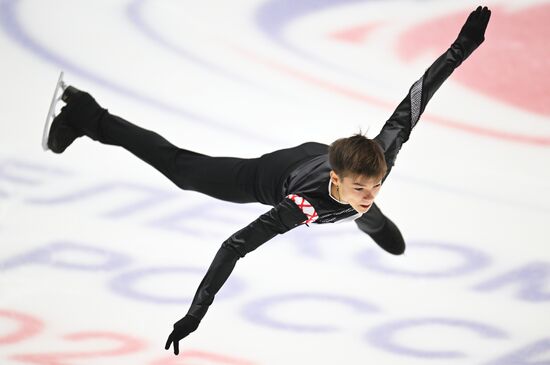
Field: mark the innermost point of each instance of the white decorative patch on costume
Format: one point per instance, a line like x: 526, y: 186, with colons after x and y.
x: 416, y: 101
x: 305, y: 206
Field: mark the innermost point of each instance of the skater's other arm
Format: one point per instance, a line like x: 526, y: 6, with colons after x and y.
x: 382, y: 230
x: 397, y: 129
x: 282, y: 218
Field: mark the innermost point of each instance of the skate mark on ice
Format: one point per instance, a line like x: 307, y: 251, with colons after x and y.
x: 27, y: 173
x: 146, y: 197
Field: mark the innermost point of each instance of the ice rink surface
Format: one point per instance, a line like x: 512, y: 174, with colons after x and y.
x: 100, y: 254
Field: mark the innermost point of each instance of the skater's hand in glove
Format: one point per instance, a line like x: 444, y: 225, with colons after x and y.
x: 475, y: 25
x: 182, y: 328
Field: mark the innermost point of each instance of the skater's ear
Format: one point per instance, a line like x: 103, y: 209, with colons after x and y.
x: 334, y: 178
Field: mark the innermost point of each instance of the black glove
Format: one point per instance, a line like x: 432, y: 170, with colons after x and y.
x: 182, y: 328
x: 474, y: 28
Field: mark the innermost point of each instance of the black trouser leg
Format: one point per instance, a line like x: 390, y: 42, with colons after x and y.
x: 225, y: 178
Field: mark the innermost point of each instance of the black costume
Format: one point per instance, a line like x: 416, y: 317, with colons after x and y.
x: 295, y: 181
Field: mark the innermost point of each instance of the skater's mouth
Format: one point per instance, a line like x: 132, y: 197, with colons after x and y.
x: 365, y: 206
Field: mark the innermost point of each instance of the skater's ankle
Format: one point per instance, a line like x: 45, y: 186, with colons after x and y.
x: 69, y: 93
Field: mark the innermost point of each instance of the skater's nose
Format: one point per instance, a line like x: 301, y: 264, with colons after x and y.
x: 368, y: 195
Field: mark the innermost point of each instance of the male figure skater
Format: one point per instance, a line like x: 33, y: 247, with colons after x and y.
x: 310, y: 183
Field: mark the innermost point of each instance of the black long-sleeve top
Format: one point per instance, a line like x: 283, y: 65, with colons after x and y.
x: 303, y: 196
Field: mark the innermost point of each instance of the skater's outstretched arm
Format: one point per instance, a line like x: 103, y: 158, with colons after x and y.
x: 397, y: 129
x: 282, y: 218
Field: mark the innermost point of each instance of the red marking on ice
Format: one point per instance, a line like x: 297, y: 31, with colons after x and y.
x: 357, y: 95
x: 356, y: 34
x: 303, y: 76
x: 188, y: 358
x: 492, y: 133
x: 27, y: 326
x: 123, y: 345
x: 513, y: 63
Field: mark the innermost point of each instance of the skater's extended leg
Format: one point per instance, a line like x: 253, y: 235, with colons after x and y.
x: 225, y: 178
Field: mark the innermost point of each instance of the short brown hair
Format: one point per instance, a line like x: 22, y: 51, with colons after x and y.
x: 357, y: 155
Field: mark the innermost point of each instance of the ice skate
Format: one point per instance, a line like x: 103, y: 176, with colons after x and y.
x: 58, y: 134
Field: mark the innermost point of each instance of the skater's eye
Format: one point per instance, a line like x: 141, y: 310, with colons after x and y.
x: 358, y: 189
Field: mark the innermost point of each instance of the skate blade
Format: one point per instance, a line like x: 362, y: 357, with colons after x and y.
x: 51, y: 112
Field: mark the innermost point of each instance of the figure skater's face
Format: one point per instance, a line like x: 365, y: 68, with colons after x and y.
x: 358, y: 191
